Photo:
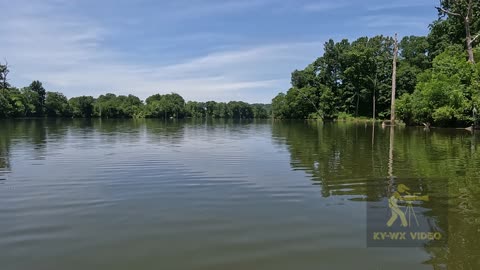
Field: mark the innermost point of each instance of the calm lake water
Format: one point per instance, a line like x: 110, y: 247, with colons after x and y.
x: 149, y: 194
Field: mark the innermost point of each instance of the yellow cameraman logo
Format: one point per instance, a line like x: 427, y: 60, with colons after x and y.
x: 403, y: 217
x: 402, y: 195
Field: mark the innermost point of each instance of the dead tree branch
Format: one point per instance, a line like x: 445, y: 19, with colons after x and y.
x: 444, y: 11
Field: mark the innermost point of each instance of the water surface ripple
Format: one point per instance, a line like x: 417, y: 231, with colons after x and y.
x: 150, y: 194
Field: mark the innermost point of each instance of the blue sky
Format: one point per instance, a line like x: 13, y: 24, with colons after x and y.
x: 202, y: 49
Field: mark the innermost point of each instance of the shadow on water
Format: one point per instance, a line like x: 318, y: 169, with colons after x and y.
x: 364, y: 163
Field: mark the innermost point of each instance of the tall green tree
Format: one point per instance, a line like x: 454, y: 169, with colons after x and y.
x: 82, y: 106
x: 106, y: 107
x: 13, y: 102
x: 259, y: 111
x: 166, y: 106
x: 463, y: 17
x: 446, y: 94
x: 56, y: 104
x: 31, y: 102
x: 195, y: 109
x: 414, y: 59
x: 4, y: 70
x: 37, y: 87
x: 240, y: 110
x: 352, y: 78
x: 221, y: 110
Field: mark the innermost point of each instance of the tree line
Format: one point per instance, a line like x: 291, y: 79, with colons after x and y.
x: 437, y: 78
x: 35, y: 101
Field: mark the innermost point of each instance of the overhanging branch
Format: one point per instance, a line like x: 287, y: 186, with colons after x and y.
x: 475, y: 38
x: 444, y: 11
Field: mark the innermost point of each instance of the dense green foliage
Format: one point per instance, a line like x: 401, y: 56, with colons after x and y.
x: 435, y: 83
x: 34, y: 101
x: 445, y: 94
x: 351, y: 77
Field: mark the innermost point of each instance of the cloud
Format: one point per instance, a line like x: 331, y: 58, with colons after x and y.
x: 69, y: 54
x: 395, y: 21
x: 399, y: 5
x: 324, y: 6
x: 185, y: 9
x: 213, y: 76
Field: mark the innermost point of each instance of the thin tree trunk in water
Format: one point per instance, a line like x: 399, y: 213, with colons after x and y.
x: 373, y: 138
x: 375, y: 92
x: 394, y: 81
x: 390, y: 158
x: 356, y: 107
x: 374, y: 99
x: 374, y: 104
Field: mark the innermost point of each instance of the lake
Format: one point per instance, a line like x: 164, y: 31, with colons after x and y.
x: 193, y: 194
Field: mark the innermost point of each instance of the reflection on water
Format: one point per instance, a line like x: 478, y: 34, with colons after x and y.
x: 150, y: 194
x: 345, y: 162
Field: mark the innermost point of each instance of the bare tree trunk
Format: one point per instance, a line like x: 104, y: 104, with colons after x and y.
x: 466, y: 19
x: 373, y: 140
x: 394, y: 81
x: 374, y: 101
x: 390, y: 158
x: 356, y: 107
x: 471, y: 57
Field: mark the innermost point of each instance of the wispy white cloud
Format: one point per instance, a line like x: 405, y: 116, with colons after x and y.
x: 324, y: 6
x: 395, y: 21
x: 201, y: 8
x: 69, y: 55
x: 214, y: 76
x: 399, y: 5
